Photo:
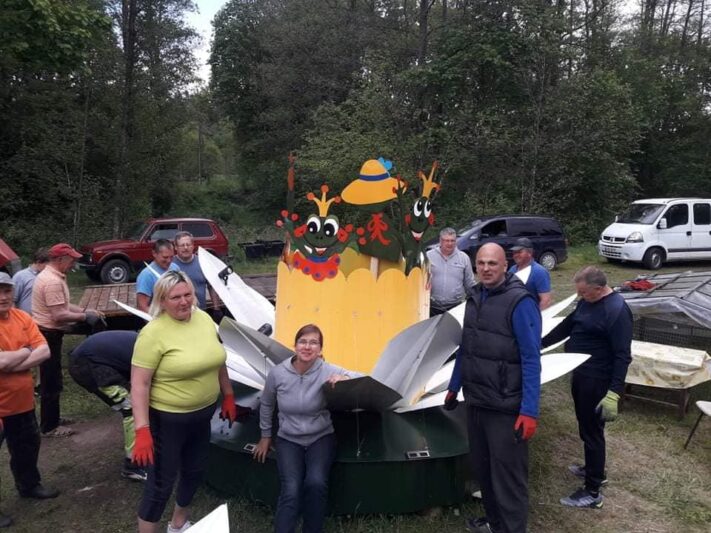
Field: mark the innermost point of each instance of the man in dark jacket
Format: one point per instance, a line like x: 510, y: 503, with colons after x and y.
x: 102, y: 365
x: 600, y: 325
x: 501, y: 375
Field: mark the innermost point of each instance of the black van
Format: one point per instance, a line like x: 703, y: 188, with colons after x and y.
x: 546, y: 234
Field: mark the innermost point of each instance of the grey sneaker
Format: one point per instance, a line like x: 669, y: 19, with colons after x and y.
x: 187, y: 525
x: 579, y: 472
x: 583, y: 498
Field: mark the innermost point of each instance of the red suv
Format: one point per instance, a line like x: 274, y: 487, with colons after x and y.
x: 115, y: 261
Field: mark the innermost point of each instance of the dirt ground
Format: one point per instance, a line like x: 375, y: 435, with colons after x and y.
x: 86, y: 469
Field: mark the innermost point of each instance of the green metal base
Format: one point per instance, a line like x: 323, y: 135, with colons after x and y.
x: 386, y: 462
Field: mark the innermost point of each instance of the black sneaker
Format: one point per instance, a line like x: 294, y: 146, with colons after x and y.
x: 583, y: 498
x: 40, y: 492
x: 579, y: 471
x: 132, y: 471
x: 478, y: 525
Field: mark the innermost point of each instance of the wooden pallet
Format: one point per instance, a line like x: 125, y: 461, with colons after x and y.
x: 102, y: 297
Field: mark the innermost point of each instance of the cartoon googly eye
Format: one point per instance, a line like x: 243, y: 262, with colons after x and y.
x: 313, y: 224
x: 418, y: 207
x: 428, y: 209
x: 330, y: 226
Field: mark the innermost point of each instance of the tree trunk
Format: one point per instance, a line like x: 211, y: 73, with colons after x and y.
x: 422, y: 20
x: 82, y: 163
x: 699, y: 36
x: 685, y: 31
x: 128, y: 34
x: 668, y: 15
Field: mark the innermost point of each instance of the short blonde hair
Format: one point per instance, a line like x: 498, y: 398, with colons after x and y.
x: 164, y: 285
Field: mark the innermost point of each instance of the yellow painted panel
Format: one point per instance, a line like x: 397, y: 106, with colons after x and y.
x: 358, y: 314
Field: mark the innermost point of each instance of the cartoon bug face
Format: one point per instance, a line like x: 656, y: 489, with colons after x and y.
x: 321, y: 235
x: 421, y: 216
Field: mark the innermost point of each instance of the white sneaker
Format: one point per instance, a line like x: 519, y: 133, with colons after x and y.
x: 185, y: 527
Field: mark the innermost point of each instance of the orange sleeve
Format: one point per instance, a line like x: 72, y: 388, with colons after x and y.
x: 34, y: 336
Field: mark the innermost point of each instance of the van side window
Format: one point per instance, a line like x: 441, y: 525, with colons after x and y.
x: 550, y: 227
x: 522, y: 228
x: 702, y: 214
x: 492, y: 229
x: 677, y: 215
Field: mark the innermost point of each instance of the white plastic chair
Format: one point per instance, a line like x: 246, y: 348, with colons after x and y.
x: 705, y: 408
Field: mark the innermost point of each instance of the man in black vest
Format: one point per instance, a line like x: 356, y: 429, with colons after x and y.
x: 600, y: 325
x: 501, y: 375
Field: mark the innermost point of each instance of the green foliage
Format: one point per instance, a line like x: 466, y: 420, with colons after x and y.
x: 47, y: 35
x: 553, y: 108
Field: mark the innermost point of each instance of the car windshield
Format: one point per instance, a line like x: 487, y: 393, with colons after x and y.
x: 641, y: 214
x: 136, y: 231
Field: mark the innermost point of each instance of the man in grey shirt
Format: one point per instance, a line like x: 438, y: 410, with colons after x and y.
x: 451, y: 275
x: 24, y: 280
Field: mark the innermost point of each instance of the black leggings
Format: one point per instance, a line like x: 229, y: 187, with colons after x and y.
x: 181, y: 442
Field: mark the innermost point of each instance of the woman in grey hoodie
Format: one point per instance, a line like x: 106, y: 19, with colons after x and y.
x: 305, y: 443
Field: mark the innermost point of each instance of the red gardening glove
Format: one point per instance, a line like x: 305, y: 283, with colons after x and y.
x: 525, y: 427
x: 229, y: 409
x: 450, y: 401
x: 143, y: 448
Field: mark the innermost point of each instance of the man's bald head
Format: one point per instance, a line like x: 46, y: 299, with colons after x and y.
x: 491, y: 265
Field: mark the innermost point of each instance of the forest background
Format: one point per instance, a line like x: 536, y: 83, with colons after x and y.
x: 562, y: 107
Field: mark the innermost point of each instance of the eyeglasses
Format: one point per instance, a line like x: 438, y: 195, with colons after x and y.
x: 307, y: 342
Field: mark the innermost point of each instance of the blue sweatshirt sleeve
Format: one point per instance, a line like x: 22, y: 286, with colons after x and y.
x: 527, y: 330
x: 560, y: 332
x: 620, y: 335
x: 455, y: 382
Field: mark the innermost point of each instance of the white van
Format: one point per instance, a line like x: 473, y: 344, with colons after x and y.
x: 657, y: 230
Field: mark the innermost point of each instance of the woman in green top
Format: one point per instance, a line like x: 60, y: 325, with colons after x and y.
x: 177, y: 372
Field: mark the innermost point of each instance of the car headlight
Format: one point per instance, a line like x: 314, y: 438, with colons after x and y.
x: 635, y: 236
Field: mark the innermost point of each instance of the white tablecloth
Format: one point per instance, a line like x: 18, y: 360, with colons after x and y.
x: 669, y: 367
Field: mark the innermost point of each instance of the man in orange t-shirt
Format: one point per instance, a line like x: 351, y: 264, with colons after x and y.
x: 22, y: 347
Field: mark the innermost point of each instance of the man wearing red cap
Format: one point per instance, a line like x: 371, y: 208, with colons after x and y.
x: 55, y: 315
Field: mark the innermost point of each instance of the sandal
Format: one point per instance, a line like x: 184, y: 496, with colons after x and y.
x: 59, y: 431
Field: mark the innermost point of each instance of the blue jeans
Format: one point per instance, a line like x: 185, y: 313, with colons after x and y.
x: 303, y: 476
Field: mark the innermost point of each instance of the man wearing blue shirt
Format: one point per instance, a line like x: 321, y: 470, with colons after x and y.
x: 600, y: 325
x: 186, y: 261
x: 499, y: 366
x: 162, y: 257
x: 25, y: 279
x: 537, y: 279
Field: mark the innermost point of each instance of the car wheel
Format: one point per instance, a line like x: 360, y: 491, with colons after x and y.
x: 548, y: 260
x: 115, y: 271
x: 653, y: 258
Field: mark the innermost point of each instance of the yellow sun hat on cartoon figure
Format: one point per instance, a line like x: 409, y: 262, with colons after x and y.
x: 373, y: 186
